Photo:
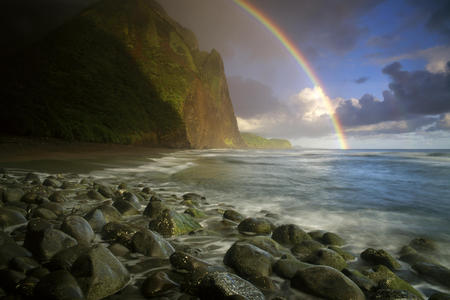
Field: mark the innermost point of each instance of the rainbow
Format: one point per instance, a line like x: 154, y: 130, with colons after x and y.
x: 301, y: 60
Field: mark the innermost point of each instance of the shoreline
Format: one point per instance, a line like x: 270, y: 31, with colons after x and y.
x: 199, y: 237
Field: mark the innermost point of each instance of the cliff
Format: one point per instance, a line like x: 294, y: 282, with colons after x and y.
x: 121, y: 72
x: 254, y: 141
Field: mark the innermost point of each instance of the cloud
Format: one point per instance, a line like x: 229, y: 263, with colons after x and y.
x: 410, y: 95
x: 361, y: 79
x: 225, y: 26
x: 252, y: 98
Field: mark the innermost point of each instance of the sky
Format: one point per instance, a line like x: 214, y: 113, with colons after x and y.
x: 383, y: 65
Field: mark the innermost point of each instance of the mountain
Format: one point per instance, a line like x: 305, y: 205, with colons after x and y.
x: 121, y: 72
x: 254, y: 141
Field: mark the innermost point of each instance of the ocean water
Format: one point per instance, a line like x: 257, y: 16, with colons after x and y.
x: 372, y: 198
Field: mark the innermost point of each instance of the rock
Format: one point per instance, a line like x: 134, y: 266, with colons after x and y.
x: 96, y: 219
x: 326, y: 282
x: 267, y: 244
x: 58, y: 285
x: 67, y: 185
x: 44, y: 241
x: 99, y: 273
x: 51, y: 182
x: 423, y: 245
x: 9, y: 217
x: 248, y: 260
x: 435, y: 273
x: 39, y: 272
x: 411, y: 256
x: 125, y: 208
x: 32, y: 177
x: 193, y: 196
x: 132, y: 199
x: 330, y: 238
x: 23, y: 264
x: 9, y: 250
x: 122, y: 186
x: 56, y: 208
x: 151, y: 243
x: 57, y: 197
x: 287, y: 267
x: 171, y: 223
x: 380, y: 257
x: 363, y: 282
x: 317, y: 235
x: 10, y: 278
x: 186, y: 262
x: 233, y: 215
x: 157, y: 284
x: 252, y: 226
x: 154, y: 208
x: 120, y: 233
x: 388, y: 294
x: 223, y: 285
x: 382, y: 274
x: 194, y: 212
x: 147, y: 190
x: 305, y: 248
x: 345, y: 255
x: 327, y: 257
x: 289, y: 234
x: 118, y: 249
x: 439, y: 296
x: 12, y: 195
x: 104, y: 189
x: 65, y: 258
x: 94, y: 195
x: 30, y: 197
x: 26, y: 286
x: 44, y: 213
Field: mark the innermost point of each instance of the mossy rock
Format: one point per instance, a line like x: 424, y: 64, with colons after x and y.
x: 382, y: 274
x: 380, y: 257
x: 171, y: 223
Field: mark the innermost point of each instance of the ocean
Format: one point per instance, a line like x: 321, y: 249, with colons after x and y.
x: 372, y: 198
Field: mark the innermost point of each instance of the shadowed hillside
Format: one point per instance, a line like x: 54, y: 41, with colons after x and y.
x: 120, y: 72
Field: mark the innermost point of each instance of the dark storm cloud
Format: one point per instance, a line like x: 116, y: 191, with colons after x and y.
x: 410, y: 94
x: 252, y: 98
x: 316, y: 26
x: 437, y: 15
x: 25, y: 21
x: 361, y: 79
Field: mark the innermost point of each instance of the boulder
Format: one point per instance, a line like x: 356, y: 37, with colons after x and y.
x: 170, y: 223
x: 79, y: 229
x: 44, y: 241
x: 327, y: 257
x: 32, y: 177
x: 151, y: 243
x: 423, y: 244
x: 23, y: 264
x: 194, y: 212
x: 186, y: 262
x: 99, y: 273
x: 64, y: 259
x: 289, y: 234
x: 439, y: 296
x: 9, y: 250
x: 305, y: 248
x: 157, y: 284
x: 194, y: 197
x: 411, y: 256
x: 233, y: 215
x: 388, y: 294
x: 380, y: 257
x: 94, y: 195
x: 58, y: 285
x: 12, y: 195
x: 30, y: 198
x: 132, y: 199
x: 9, y: 217
x: 118, y: 232
x: 99, y: 216
x: 363, y: 282
x: 330, y: 238
x: 345, y: 255
x: 326, y: 282
x: 434, y: 273
x: 118, y: 249
x: 382, y: 275
x: 125, y: 208
x: 51, y: 182
x: 44, y: 213
x: 224, y: 285
x: 56, y: 208
x: 288, y: 267
x: 248, y: 260
x: 154, y: 208
x: 104, y: 189
x: 57, y: 197
x: 267, y: 244
x: 253, y: 226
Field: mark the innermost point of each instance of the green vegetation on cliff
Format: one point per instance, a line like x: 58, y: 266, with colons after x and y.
x: 257, y: 142
x: 122, y: 72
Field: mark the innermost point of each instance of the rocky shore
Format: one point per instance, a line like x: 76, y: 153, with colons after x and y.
x: 68, y: 236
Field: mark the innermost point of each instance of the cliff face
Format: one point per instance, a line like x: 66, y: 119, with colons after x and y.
x: 124, y: 72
